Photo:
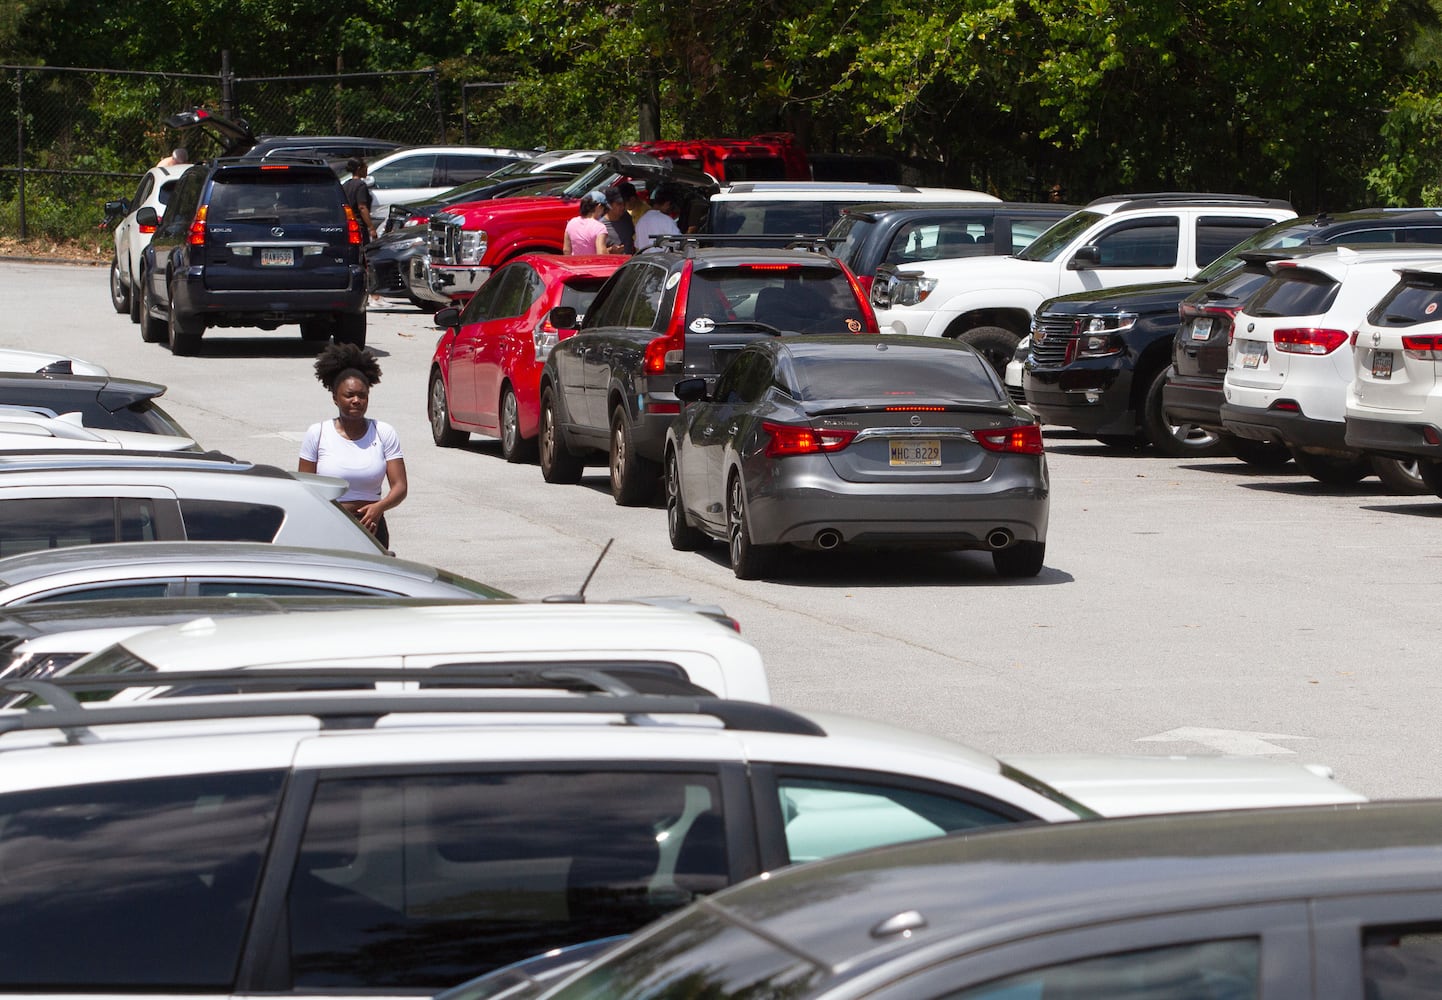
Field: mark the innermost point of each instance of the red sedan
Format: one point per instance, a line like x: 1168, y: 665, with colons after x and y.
x: 486, y: 371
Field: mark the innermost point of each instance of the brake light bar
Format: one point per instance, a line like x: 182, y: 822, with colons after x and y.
x: 1022, y: 440
x: 196, y: 236
x: 791, y: 439
x: 275, y: 166
x: 769, y: 267
x: 1309, y: 340
x: 1423, y: 347
x: 911, y: 409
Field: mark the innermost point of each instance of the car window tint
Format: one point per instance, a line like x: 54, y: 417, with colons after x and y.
x: 610, y: 306
x: 1411, y: 301
x: 792, y: 299
x: 848, y: 237
x: 230, y: 521
x: 275, y: 197
x: 419, y: 881
x: 142, y: 192
x: 1025, y: 231
x: 28, y: 524
x: 408, y: 172
x: 458, y: 168
x: 517, y: 294
x: 1401, y: 963
x: 579, y: 293
x: 132, y: 884
x: 924, y: 374
x: 1208, y: 970
x: 266, y: 588
x: 104, y: 592
x: 482, y: 304
x: 1140, y: 243
x: 828, y: 817
x: 644, y: 304
x: 1295, y: 292
x: 1218, y: 234
x: 939, y: 239
x: 744, y: 380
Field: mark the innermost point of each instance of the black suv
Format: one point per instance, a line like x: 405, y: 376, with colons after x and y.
x: 1129, y: 376
x: 253, y: 243
x: 682, y: 312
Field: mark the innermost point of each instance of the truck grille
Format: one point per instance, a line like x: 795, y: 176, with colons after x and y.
x: 443, y: 239
x: 1049, y: 339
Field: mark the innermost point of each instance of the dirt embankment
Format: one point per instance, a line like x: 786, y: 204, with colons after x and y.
x: 96, y: 252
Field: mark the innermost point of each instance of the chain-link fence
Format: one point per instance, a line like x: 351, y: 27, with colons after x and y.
x: 81, y: 137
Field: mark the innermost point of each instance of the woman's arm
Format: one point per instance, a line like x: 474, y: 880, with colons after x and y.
x: 306, y: 465
x: 397, y: 488
x: 566, y: 242
x: 601, y: 242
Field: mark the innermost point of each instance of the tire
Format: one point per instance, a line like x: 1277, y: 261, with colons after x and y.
x: 1123, y: 442
x: 1332, y: 470
x: 1431, y: 474
x: 558, y: 465
x: 995, y: 343
x: 633, y: 478
x: 749, y: 561
x: 1019, y: 559
x: 1259, y: 454
x: 316, y: 329
x: 684, y: 537
x: 152, y: 330
x: 119, y: 294
x: 350, y: 328
x: 1175, y: 440
x: 185, y: 332
x: 514, y: 448
x: 438, y: 413
x: 134, y: 301
x: 1400, y: 476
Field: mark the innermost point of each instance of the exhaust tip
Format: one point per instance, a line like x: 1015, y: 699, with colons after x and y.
x: 999, y: 538
x: 828, y: 538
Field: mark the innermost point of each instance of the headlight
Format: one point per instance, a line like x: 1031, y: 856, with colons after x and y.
x: 911, y: 289
x: 472, y: 246
x: 1097, y: 337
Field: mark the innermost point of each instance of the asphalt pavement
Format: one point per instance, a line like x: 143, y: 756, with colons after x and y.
x: 1186, y: 606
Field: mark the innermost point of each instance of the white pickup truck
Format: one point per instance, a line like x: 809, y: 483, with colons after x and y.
x: 988, y: 302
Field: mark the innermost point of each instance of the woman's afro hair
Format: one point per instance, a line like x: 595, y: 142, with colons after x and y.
x: 339, y: 360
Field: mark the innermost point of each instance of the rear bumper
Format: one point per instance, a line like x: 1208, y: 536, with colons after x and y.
x: 1294, y: 429
x: 1393, y: 438
x: 284, y: 305
x: 1194, y: 401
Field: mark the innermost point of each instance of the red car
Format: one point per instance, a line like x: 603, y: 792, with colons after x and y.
x: 486, y: 372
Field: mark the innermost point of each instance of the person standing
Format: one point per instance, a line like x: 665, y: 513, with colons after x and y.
x: 618, y: 221
x: 586, y: 233
x: 365, y: 453
x: 359, y: 197
x: 660, y: 220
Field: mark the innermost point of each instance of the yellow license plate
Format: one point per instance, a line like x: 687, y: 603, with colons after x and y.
x: 916, y: 451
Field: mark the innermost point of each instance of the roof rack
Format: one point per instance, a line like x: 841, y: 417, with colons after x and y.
x: 1163, y: 199
x: 279, y: 158
x: 361, y: 710
x: 689, y: 243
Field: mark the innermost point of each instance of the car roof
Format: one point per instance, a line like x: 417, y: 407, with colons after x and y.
x: 551, y: 266
x: 71, y: 382
x: 1113, y: 203
x: 967, y: 891
x: 1336, y: 261
x: 45, y: 363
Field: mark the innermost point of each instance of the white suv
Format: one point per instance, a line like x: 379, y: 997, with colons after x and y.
x: 131, y: 237
x: 1290, y: 360
x: 988, y: 301
x: 784, y: 209
x: 355, y: 843
x: 420, y: 172
x: 1394, y: 404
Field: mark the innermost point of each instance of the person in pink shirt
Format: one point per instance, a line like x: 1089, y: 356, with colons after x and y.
x: 586, y: 234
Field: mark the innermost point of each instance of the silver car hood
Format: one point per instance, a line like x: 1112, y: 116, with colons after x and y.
x: 1115, y: 785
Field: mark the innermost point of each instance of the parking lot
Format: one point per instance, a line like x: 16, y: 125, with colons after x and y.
x: 1185, y: 608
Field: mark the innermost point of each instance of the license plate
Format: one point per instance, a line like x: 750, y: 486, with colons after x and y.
x: 921, y: 451
x: 1202, y: 328
x: 276, y: 258
x: 1252, y: 353
x: 1381, y: 364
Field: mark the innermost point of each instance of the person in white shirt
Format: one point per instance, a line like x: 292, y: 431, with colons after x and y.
x: 350, y: 446
x: 660, y: 220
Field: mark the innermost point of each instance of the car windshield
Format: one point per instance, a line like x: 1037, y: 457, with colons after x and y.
x: 1050, y: 244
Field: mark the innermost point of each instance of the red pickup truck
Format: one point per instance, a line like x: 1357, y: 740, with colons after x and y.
x: 471, y: 239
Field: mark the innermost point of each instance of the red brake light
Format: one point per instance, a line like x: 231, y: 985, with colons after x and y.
x: 913, y: 409
x: 1423, y: 348
x: 769, y: 267
x: 1308, y: 340
x: 1023, y: 440
x: 352, y: 227
x: 275, y: 166
x: 1286, y: 406
x: 670, y: 347
x: 863, y: 298
x: 789, y: 439
x: 196, y: 237
x: 150, y: 229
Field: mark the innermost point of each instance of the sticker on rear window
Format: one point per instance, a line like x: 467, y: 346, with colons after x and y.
x: 672, y: 278
x: 1431, y: 308
x: 703, y: 324
x: 854, y: 325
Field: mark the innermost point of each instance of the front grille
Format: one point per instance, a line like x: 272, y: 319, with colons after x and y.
x: 1050, y: 338
x: 1017, y: 394
x: 443, y: 240
x: 386, y: 275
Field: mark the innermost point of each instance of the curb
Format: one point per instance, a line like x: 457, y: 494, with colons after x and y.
x: 53, y: 260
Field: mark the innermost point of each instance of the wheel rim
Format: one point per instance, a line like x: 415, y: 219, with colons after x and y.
x: 736, y: 522
x: 438, y: 407
x: 115, y: 290
x: 673, y: 495
x: 510, y: 422
x: 1192, y: 436
x: 1412, y: 469
x: 618, y: 452
x: 548, y: 436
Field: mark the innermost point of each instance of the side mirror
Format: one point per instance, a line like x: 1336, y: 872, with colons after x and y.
x: 1086, y: 257
x: 147, y: 217
x: 448, y: 317
x: 564, y: 317
x: 691, y: 390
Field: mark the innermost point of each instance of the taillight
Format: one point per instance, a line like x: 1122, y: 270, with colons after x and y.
x: 864, y: 281
x: 670, y: 347
x: 150, y: 229
x: 1023, y: 440
x: 352, y: 227
x: 196, y: 237
x: 790, y: 439
x: 862, y: 293
x: 1423, y: 348
x: 1308, y: 340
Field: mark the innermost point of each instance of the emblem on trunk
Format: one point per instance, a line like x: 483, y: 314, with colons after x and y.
x: 277, y: 231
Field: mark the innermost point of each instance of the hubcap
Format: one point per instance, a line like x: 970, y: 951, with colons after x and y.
x: 548, y: 436
x: 1193, y: 436
x: 735, y: 521
x: 618, y: 453
x: 510, y: 421
x: 438, y: 407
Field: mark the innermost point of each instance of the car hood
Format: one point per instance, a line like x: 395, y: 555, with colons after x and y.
x: 1140, y: 785
x: 1148, y: 298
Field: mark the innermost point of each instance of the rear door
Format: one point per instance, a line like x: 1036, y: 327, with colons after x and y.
x: 275, y: 226
x: 633, y: 320
x: 1295, y: 297
x: 1396, y: 366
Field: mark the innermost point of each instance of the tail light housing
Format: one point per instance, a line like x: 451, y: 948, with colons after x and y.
x: 670, y: 347
x: 1021, y: 440
x: 546, y: 336
x: 196, y: 236
x: 1309, y: 340
x: 796, y: 439
x: 352, y: 227
x: 1423, y: 348
x: 150, y: 229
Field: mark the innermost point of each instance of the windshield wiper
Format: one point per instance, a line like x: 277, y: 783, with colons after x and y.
x: 753, y: 324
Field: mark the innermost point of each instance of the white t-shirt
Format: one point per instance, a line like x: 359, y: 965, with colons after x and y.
x: 654, y: 223
x: 361, y: 463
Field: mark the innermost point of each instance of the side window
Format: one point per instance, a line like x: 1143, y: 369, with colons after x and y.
x: 825, y: 817
x: 420, y: 881
x: 57, y: 522
x: 482, y: 305
x: 942, y: 239
x: 457, y: 168
x: 230, y: 521
x: 517, y: 294
x: 1142, y: 243
x: 1204, y: 971
x: 644, y: 304
x: 1023, y: 231
x: 1218, y: 234
x: 755, y: 378
x: 142, y: 192
x: 408, y: 172
x: 114, y: 591
x: 729, y: 383
x: 258, y: 588
x: 187, y: 198
x: 156, y: 877
x: 1402, y: 962
x: 609, y: 309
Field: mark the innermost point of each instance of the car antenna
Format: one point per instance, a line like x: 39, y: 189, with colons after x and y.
x: 579, y: 597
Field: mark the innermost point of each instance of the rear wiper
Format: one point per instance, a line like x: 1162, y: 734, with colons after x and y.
x: 1399, y: 320
x: 253, y: 218
x: 754, y: 325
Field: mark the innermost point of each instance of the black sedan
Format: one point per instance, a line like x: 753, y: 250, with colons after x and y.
x: 867, y: 441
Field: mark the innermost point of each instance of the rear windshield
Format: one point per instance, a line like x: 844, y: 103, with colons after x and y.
x: 579, y: 293
x: 793, y: 298
x: 772, y: 218
x: 906, y: 375
x: 1411, y: 301
x: 276, y: 197
x: 1295, y: 292
x: 848, y: 236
